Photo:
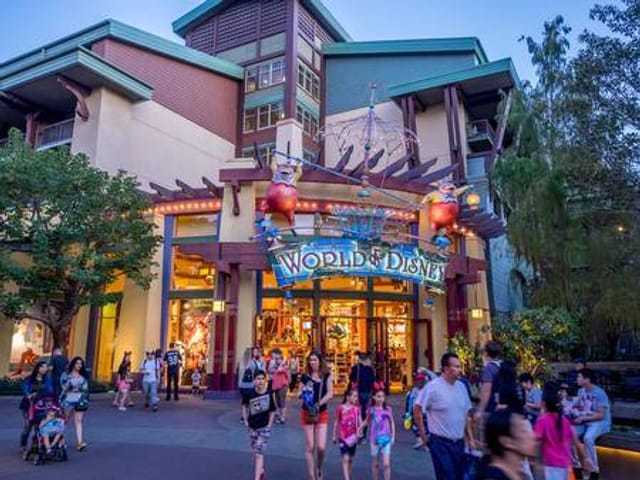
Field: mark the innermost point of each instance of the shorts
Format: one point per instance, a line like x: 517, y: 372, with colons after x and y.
x: 348, y: 450
x: 260, y: 439
x: 380, y: 450
x: 281, y: 396
x: 323, y: 418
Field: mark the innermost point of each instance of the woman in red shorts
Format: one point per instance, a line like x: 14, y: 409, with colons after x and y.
x: 316, y: 389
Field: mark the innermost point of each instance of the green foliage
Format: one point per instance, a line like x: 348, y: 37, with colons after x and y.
x: 67, y: 231
x: 532, y: 338
x: 570, y: 181
x: 470, y: 354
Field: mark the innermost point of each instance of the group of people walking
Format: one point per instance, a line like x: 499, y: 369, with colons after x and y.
x: 263, y: 387
x: 61, y: 389
x: 153, y: 368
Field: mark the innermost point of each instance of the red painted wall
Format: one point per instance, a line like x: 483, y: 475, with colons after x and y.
x: 204, y: 97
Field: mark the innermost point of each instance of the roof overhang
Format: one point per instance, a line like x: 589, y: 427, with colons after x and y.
x: 208, y: 8
x: 37, y: 86
x: 113, y: 29
x: 436, y: 46
x: 480, y: 82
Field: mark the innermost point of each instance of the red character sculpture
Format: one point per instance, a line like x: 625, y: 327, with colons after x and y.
x: 282, y: 194
x: 444, y: 206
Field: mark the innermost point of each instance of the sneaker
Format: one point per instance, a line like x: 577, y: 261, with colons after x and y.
x: 122, y: 409
x: 155, y: 408
x: 146, y: 405
x: 418, y: 444
x: 130, y: 405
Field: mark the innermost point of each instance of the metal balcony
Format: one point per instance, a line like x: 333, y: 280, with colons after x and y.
x: 55, y: 134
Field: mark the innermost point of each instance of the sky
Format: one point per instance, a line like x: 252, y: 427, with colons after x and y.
x: 29, y: 24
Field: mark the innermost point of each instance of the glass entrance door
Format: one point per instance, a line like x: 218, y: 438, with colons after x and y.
x: 343, y: 333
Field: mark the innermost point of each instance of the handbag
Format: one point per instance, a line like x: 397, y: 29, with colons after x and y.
x: 351, y: 440
x: 83, y: 404
x: 313, y: 411
x: 72, y: 397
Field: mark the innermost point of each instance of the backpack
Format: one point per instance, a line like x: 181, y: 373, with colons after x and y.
x: 247, y: 376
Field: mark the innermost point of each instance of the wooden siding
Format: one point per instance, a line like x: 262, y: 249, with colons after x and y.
x: 203, y: 97
x: 309, y: 27
x: 243, y: 22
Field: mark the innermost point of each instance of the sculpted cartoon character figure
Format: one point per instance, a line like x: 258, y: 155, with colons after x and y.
x: 282, y: 193
x: 444, y: 206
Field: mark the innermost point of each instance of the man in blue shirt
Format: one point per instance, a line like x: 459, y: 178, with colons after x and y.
x: 594, y: 418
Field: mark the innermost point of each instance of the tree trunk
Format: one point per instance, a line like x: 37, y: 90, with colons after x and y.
x: 61, y: 333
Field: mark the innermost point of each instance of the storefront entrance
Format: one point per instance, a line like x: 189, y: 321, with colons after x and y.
x: 342, y: 316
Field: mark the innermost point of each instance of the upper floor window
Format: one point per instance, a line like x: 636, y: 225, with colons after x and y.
x: 264, y: 116
x: 308, y: 120
x: 266, y: 151
x: 264, y: 75
x: 308, y: 81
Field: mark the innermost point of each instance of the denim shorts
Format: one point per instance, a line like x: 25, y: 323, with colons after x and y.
x: 380, y: 449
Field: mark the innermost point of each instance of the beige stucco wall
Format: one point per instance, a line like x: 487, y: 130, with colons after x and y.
x: 139, y: 325
x: 148, y: 140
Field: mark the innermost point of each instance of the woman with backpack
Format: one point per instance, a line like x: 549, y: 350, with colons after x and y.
x: 250, y: 363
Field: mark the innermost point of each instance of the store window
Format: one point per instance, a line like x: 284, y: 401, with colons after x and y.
x: 385, y: 284
x: 353, y: 284
x: 287, y: 325
x: 105, y: 345
x: 31, y: 341
x: 269, y: 282
x: 193, y: 267
x: 190, y: 326
x: 200, y: 225
x: 264, y: 75
x: 308, y: 81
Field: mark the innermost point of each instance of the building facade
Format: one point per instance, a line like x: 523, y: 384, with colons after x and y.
x: 200, y: 125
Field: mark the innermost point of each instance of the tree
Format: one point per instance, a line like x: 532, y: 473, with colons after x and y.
x: 67, y: 231
x: 570, y: 180
x: 534, y: 337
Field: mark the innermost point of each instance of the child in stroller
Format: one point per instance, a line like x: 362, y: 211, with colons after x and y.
x: 46, y: 422
x: 51, y: 434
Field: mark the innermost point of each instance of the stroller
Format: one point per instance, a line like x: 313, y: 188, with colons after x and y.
x: 42, y: 408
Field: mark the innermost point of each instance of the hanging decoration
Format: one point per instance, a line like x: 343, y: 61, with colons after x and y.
x: 282, y: 193
x: 444, y: 209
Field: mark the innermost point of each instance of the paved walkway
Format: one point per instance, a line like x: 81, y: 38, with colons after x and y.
x: 193, y: 438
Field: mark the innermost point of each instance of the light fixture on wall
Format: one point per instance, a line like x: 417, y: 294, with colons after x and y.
x: 477, y: 313
x: 219, y: 306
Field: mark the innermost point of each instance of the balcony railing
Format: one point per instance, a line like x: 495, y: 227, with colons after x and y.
x: 480, y: 135
x: 55, y: 134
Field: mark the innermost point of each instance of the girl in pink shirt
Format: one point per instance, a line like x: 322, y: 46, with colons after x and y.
x: 556, y: 437
x: 345, y: 430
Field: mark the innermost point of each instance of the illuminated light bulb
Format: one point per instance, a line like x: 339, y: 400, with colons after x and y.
x: 181, y: 206
x: 314, y: 205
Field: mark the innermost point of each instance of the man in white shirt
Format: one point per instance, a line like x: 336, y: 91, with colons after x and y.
x: 446, y: 403
x: 150, y: 370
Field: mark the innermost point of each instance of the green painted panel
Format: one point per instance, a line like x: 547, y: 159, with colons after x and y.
x: 504, y: 65
x: 272, y: 44
x: 348, y: 77
x: 262, y: 97
x: 308, y: 102
x: 243, y: 53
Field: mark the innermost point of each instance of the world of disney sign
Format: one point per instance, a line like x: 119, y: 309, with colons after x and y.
x: 329, y: 257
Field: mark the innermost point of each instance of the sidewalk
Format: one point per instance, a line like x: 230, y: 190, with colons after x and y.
x: 199, y: 438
